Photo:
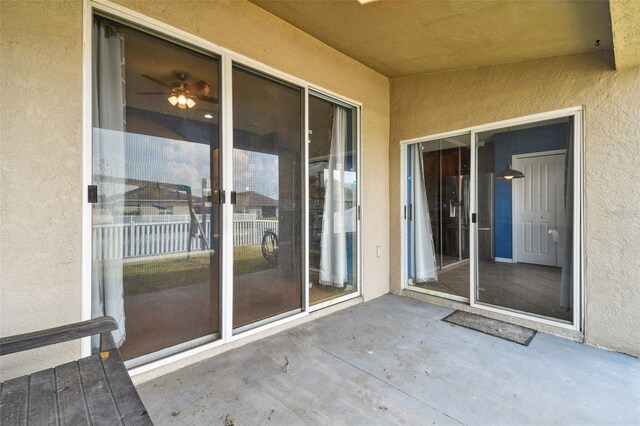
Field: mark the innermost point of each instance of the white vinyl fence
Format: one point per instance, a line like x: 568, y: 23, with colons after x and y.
x: 138, y: 239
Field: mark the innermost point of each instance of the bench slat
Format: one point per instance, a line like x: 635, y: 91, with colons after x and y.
x: 102, y: 408
x: 13, y: 401
x: 42, y: 399
x: 71, y: 404
x: 129, y: 403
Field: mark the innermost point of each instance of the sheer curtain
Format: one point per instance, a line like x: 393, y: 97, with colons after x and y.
x: 423, y: 257
x: 333, y: 245
x: 107, y: 292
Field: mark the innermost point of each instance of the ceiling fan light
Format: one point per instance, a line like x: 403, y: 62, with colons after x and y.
x: 190, y: 102
x: 182, y: 100
x: 173, y: 100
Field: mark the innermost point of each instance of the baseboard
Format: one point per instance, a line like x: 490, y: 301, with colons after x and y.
x: 504, y: 260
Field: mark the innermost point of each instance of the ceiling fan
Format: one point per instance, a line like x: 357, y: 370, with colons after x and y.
x: 181, y: 93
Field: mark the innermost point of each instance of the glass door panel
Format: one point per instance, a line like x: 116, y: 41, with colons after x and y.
x: 438, y: 218
x: 155, y: 232
x: 333, y: 200
x: 268, y: 163
x: 525, y: 201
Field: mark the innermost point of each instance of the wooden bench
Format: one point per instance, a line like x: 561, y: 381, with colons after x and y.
x: 95, y: 390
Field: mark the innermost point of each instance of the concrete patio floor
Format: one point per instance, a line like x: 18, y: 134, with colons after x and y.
x: 392, y: 361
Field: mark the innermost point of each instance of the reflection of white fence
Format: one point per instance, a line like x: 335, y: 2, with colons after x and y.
x: 136, y: 239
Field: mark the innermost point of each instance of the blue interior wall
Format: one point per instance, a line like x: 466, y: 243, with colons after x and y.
x: 537, y: 139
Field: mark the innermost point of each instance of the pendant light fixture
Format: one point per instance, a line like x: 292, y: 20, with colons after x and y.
x: 509, y: 173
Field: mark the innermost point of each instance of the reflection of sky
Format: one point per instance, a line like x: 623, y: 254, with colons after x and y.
x: 257, y: 171
x: 158, y: 159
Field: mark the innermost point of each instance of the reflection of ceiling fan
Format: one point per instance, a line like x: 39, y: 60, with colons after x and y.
x: 183, y: 94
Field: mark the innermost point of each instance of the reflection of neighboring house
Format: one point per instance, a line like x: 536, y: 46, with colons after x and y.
x: 253, y: 203
x: 149, y: 200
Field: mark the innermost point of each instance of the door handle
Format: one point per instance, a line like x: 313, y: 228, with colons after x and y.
x: 554, y: 235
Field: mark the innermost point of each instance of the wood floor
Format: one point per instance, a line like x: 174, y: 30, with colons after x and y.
x: 524, y: 287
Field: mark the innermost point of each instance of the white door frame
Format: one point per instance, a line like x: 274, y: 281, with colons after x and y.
x: 578, y: 221
x: 227, y: 58
x: 515, y: 205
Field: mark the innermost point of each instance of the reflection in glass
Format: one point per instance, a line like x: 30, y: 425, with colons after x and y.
x: 439, y: 217
x: 267, y: 177
x: 332, y: 200
x: 155, y: 164
x: 531, y: 270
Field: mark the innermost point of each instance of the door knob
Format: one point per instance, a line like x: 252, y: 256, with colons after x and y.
x: 554, y: 235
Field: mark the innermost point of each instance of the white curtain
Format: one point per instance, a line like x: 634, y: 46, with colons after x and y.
x: 107, y: 292
x: 333, y: 252
x: 423, y: 257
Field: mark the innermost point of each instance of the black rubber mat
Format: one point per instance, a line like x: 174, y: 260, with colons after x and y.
x: 504, y: 330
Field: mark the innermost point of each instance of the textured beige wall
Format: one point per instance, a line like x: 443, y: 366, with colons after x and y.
x: 433, y: 103
x: 41, y: 147
x: 40, y: 173
x: 625, y: 26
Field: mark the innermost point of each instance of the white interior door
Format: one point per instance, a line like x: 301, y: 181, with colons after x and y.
x: 537, y: 207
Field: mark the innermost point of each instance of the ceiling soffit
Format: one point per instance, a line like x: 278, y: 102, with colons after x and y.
x: 400, y: 38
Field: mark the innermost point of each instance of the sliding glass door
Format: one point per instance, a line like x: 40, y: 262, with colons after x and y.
x: 492, y: 218
x: 438, y: 216
x: 156, y: 174
x: 268, y: 173
x: 531, y: 168
x: 180, y: 258
x: 333, y: 200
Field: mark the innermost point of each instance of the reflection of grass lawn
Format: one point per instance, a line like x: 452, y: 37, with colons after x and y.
x: 162, y: 274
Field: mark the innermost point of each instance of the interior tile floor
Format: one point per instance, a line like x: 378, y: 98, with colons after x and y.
x: 520, y: 286
x: 393, y: 361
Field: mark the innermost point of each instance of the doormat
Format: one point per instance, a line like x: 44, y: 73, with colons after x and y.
x: 504, y: 330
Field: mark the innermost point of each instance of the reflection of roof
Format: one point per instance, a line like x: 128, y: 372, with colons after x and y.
x: 251, y: 198
x: 155, y: 194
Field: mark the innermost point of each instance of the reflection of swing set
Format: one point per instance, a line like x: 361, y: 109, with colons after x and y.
x: 196, y: 231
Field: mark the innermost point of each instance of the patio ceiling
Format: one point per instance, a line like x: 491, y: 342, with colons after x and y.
x: 400, y: 38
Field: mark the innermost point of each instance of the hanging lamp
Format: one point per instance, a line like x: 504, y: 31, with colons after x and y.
x: 509, y: 173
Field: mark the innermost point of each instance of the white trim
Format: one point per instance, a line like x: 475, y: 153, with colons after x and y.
x: 87, y: 161
x: 504, y: 259
x: 578, y: 247
x: 440, y: 294
x: 473, y: 226
x: 331, y: 302
x: 515, y: 190
x: 227, y: 58
x: 305, y: 189
x: 226, y: 242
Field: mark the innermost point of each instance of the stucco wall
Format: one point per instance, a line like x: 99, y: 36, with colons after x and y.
x: 41, y: 174
x: 41, y: 147
x: 433, y: 103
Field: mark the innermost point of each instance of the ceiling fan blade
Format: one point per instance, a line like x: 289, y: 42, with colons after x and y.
x: 206, y: 99
x: 155, y: 80
x: 199, y: 86
x: 152, y: 93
